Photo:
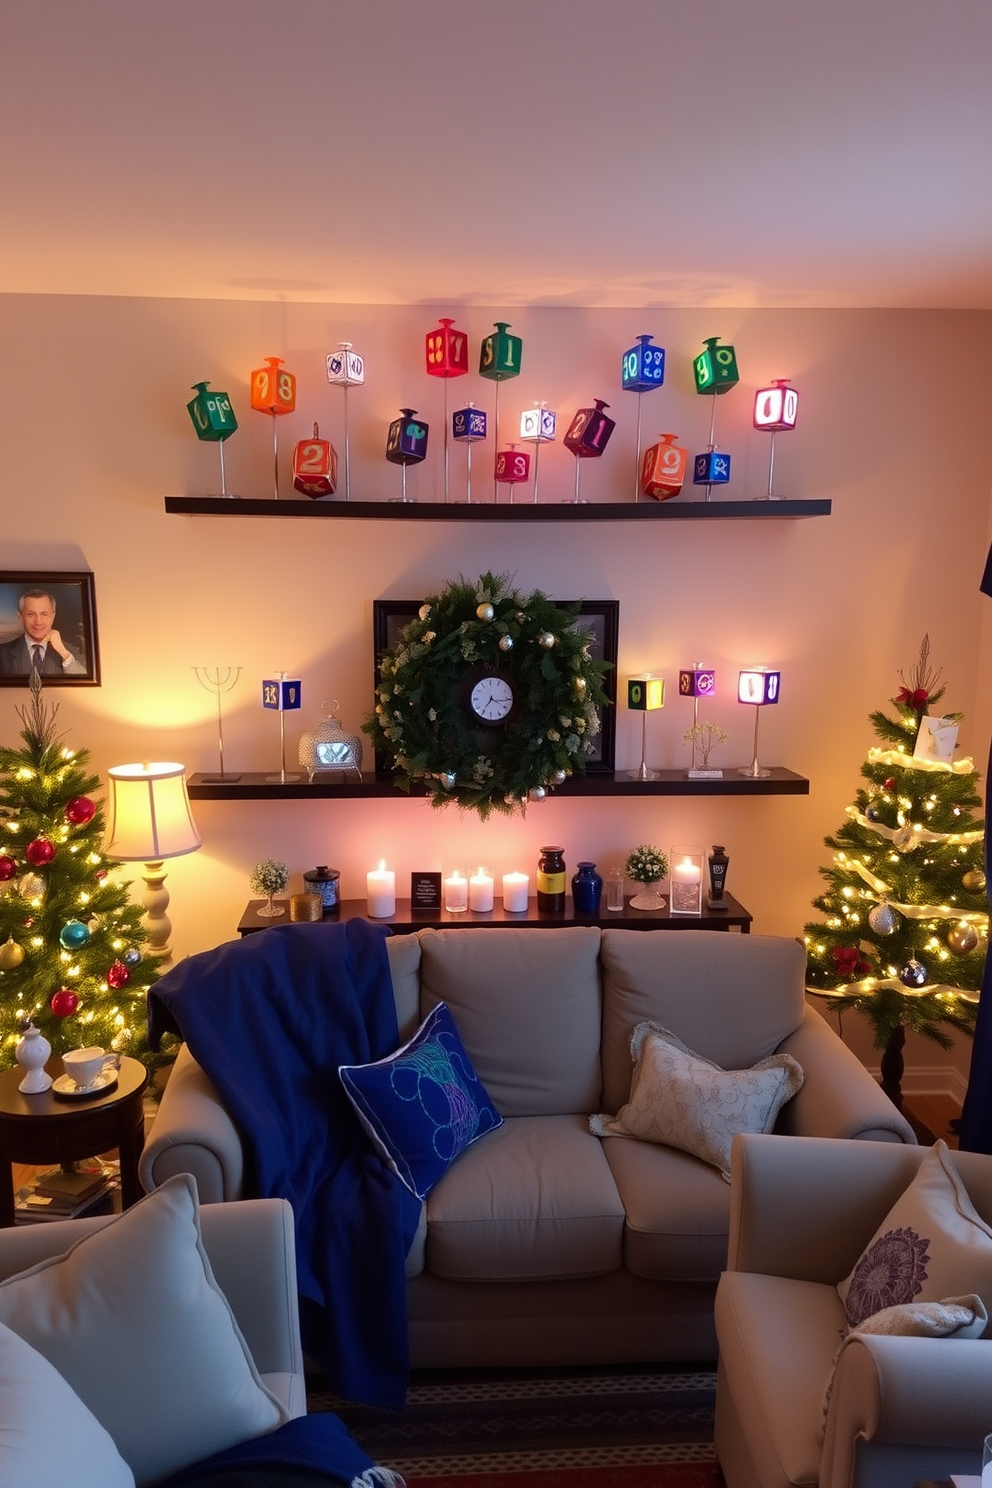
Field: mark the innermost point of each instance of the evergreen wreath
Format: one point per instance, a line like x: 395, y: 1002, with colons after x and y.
x: 420, y: 717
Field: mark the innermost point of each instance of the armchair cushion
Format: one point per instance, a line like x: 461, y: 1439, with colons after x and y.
x: 932, y: 1244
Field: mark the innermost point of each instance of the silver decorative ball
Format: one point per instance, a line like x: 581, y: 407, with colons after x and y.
x: 883, y: 919
x: 537, y: 794
x: 484, y: 611
x: 447, y: 779
x: 506, y: 643
x: 131, y: 956
x: 31, y: 886
x: 913, y: 974
x: 905, y: 839
x: 546, y: 639
x: 559, y: 777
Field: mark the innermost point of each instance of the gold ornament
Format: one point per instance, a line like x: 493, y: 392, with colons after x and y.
x: 11, y: 954
x: 962, y: 938
x: 546, y: 639
x: 484, y: 612
x: 506, y: 643
x: 974, y: 881
x: 579, y: 686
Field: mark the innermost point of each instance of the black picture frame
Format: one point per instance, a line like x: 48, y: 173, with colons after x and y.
x: 599, y: 618
x: 75, y: 622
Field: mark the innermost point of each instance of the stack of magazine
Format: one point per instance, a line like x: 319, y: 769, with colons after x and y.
x: 67, y: 1192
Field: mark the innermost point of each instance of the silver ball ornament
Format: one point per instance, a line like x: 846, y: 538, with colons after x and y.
x: 546, y: 639
x: 883, y: 919
x: 538, y: 793
x: 484, y: 612
x: 559, y: 777
x: 132, y: 956
x: 447, y: 779
x: 962, y: 938
x: 506, y: 643
x: 905, y: 840
x: 31, y: 886
x: 913, y: 974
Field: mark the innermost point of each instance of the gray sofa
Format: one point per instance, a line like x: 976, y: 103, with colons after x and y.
x: 544, y: 1244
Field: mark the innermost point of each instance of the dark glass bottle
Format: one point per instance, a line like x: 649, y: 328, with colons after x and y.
x: 587, y: 890
x: 551, y: 881
x: 718, y: 862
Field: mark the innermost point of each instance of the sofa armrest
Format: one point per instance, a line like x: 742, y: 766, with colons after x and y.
x: 839, y: 1097
x: 192, y: 1133
x: 906, y: 1393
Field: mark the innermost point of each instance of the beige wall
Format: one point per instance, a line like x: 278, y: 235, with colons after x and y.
x: 892, y: 428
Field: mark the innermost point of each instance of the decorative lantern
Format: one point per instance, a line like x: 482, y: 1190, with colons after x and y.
x: 330, y: 747
x: 758, y: 686
x: 273, y: 391
x: 315, y: 466
x: 645, y: 694
x: 775, y: 411
x: 346, y: 369
x: 213, y: 419
x: 663, y: 468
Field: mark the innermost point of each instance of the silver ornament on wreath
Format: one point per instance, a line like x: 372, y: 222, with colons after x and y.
x: 905, y: 839
x: 484, y: 611
x: 132, y: 956
x: 962, y: 938
x: 883, y: 919
x: 31, y: 886
x: 913, y: 974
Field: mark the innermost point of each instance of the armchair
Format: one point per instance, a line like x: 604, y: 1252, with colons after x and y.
x: 902, y: 1410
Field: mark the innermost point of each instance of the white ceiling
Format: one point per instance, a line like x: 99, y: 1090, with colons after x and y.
x: 554, y: 152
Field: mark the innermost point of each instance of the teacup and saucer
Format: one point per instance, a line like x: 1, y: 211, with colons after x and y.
x: 89, y: 1071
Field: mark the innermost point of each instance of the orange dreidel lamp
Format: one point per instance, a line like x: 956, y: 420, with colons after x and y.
x: 663, y: 468
x: 776, y: 409
x: 273, y: 391
x: 446, y: 353
x: 315, y: 466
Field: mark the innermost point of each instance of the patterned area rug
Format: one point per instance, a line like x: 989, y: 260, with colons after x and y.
x: 613, y: 1429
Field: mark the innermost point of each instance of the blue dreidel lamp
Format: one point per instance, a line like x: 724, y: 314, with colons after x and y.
x: 645, y: 694
x: 641, y: 371
x: 406, y: 444
x: 775, y: 411
x: 537, y: 427
x: 282, y: 694
x: 468, y: 426
x: 346, y: 369
x: 758, y: 686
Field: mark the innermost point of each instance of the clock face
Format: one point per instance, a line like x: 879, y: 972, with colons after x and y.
x: 491, y: 700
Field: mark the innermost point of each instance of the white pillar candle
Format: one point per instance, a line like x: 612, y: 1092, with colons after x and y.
x: 380, y: 891
x: 515, y: 887
x: 480, y: 891
x: 687, y: 871
x: 456, y: 892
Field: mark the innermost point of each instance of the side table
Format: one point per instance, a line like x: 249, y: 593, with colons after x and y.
x: 46, y: 1128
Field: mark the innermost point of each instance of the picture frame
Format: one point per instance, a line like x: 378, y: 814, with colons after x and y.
x: 66, y: 606
x: 599, y: 618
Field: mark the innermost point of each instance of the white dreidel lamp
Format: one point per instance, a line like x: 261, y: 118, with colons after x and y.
x: 758, y: 686
x: 149, y: 820
x: 645, y: 694
x: 776, y: 409
x: 346, y: 369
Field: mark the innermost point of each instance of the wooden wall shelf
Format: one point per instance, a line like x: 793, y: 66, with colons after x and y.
x: 253, y: 787
x: 435, y: 511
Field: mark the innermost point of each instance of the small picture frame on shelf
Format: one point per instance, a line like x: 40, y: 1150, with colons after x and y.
x: 425, y: 890
x: 48, y: 624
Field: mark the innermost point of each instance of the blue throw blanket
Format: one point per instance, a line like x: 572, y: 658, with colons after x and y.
x: 270, y: 1018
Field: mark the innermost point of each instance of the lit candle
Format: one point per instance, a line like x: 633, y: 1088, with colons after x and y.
x: 456, y: 893
x: 480, y: 890
x: 515, y: 887
x: 687, y: 871
x: 380, y: 890
x: 686, y: 877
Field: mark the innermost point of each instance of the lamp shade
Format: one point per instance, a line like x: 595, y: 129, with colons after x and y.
x: 149, y: 816
x: 758, y: 685
x: 776, y: 408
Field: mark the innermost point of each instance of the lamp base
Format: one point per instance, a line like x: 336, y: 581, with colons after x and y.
x: 158, y: 926
x: 643, y: 773
x: 754, y: 771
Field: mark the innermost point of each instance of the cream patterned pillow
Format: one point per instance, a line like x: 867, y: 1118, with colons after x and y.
x: 682, y: 1100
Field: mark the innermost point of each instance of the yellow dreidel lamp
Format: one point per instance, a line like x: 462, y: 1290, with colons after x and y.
x: 645, y: 694
x: 273, y: 391
x: 776, y: 409
x: 758, y: 686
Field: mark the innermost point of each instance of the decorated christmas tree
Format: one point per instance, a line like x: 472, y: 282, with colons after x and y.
x: 70, y: 940
x: 906, y: 914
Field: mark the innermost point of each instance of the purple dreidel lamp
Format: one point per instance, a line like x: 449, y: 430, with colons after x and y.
x: 512, y: 467
x: 758, y: 686
x: 587, y: 437
x: 282, y: 694
x: 645, y: 694
x: 696, y: 682
x: 214, y: 421
x: 663, y: 468
x: 406, y: 444
x: 775, y: 411
x: 273, y: 391
x: 715, y: 372
x: 537, y: 427
x: 315, y: 466
x: 346, y: 369
x: 499, y: 360
x: 446, y: 353
x: 641, y: 371
x: 468, y: 426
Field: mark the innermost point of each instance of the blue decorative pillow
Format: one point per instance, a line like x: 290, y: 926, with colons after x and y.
x: 424, y: 1104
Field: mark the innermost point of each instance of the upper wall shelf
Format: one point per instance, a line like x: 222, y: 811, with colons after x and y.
x: 480, y: 511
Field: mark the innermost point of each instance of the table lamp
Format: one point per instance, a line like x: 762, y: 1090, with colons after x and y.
x: 149, y: 820
x: 645, y: 693
x: 759, y: 686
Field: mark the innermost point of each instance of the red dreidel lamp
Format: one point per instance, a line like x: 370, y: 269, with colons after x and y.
x: 499, y: 360
x: 537, y: 427
x: 715, y: 372
x: 346, y: 369
x: 468, y: 426
x: 645, y: 694
x: 282, y: 694
x: 512, y: 467
x: 759, y: 686
x: 775, y: 410
x: 214, y: 421
x: 315, y: 466
x: 406, y: 444
x: 446, y: 350
x: 273, y: 391
x: 663, y: 468
x: 696, y: 682
x: 641, y: 371
x: 587, y: 437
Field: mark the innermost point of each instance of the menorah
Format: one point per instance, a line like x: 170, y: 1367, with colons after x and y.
x: 218, y: 682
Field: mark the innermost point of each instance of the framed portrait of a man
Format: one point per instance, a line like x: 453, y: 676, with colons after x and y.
x: 48, y: 626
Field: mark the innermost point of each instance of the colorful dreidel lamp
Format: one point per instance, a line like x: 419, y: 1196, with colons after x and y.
x: 641, y: 371
x: 273, y: 391
x: 499, y: 360
x: 346, y: 369
x: 645, y: 694
x: 315, y: 466
x: 697, y: 682
x: 512, y: 467
x: 446, y: 351
x: 715, y: 372
x: 711, y: 468
x: 468, y: 426
x: 538, y: 426
x: 663, y: 468
x: 775, y: 410
x: 282, y: 694
x: 406, y: 444
x: 758, y: 686
x: 213, y: 419
x: 588, y: 435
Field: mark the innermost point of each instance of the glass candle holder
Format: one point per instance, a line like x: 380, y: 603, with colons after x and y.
x: 516, y: 887
x: 686, y: 880
x: 480, y: 890
x: 456, y: 892
x: 614, y: 890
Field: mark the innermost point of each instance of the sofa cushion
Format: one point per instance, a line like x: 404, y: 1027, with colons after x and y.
x: 403, y: 952
x: 535, y: 1202
x: 132, y: 1317
x: 527, y: 1005
x: 677, y: 1212
x: 424, y: 1104
x: 48, y: 1437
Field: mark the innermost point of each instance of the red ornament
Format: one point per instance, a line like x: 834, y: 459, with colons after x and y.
x: 100, y: 875
x: 849, y: 962
x: 118, y: 976
x: 8, y: 869
x: 79, y: 810
x: 891, y: 783
x: 64, y: 1003
x: 39, y: 852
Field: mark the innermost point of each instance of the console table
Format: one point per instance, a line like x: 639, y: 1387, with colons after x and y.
x: 406, y: 919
